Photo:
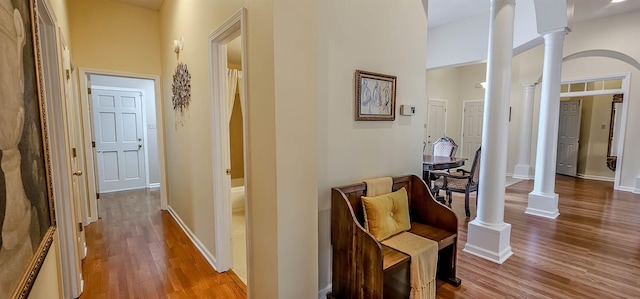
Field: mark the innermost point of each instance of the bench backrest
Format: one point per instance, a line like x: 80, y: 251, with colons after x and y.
x: 356, y: 191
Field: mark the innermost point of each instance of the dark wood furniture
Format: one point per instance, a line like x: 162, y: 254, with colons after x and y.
x: 462, y: 182
x: 363, y: 268
x: 431, y: 163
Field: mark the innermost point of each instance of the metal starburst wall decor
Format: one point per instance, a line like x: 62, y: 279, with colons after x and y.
x: 181, y: 92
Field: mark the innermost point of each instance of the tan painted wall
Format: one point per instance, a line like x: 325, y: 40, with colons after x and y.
x: 48, y: 283
x: 235, y: 140
x: 189, y: 149
x: 599, y: 138
x: 109, y: 35
x: 382, y: 36
x: 444, y: 84
x: 585, y: 128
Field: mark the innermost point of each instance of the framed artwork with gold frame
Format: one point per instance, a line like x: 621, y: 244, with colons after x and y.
x: 375, y: 96
x: 27, y: 216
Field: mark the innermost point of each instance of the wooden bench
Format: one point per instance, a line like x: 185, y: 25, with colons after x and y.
x: 365, y: 269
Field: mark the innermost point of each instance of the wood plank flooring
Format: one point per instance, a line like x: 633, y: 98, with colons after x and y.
x: 592, y: 250
x: 138, y: 251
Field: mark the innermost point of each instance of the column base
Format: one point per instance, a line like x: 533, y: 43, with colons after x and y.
x: 522, y: 171
x: 489, y: 242
x: 543, y: 205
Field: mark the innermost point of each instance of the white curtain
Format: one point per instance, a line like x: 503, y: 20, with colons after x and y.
x: 232, y: 80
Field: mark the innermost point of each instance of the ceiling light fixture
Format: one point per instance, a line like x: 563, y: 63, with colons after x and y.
x: 617, y: 1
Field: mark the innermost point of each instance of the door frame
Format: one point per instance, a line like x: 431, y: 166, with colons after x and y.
x: 464, y: 110
x: 446, y: 113
x: 578, y: 143
x: 61, y: 164
x: 234, y: 27
x: 143, y: 109
x: 88, y: 134
x: 626, y: 82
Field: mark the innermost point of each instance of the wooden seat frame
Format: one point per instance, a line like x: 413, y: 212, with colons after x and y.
x: 363, y: 268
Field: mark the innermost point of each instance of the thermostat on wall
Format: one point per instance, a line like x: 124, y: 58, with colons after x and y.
x: 407, y: 110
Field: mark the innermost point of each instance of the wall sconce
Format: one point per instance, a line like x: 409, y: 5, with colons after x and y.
x: 178, y: 44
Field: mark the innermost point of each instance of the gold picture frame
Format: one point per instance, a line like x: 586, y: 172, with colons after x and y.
x: 27, y: 216
x: 375, y: 96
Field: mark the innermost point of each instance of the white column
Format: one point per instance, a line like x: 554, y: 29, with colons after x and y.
x: 522, y: 169
x: 488, y: 235
x: 543, y: 201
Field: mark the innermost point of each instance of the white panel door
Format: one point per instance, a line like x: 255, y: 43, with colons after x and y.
x: 436, y: 122
x: 78, y: 179
x: 568, y: 137
x: 118, y: 135
x: 473, y: 114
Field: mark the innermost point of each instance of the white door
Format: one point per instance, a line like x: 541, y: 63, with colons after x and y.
x: 118, y: 134
x: 78, y: 179
x: 473, y: 114
x: 568, y: 137
x: 436, y: 122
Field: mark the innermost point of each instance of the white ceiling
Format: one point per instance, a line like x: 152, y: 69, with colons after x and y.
x: 446, y: 11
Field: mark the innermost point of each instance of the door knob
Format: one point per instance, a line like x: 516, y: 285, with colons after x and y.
x: 139, y: 146
x: 77, y: 173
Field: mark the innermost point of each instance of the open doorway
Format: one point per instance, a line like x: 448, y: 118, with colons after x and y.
x: 236, y: 155
x: 600, y: 108
x: 230, y: 254
x: 122, y: 127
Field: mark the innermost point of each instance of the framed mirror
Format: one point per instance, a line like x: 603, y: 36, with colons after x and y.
x: 614, y: 126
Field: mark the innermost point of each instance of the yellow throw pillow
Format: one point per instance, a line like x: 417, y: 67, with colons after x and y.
x: 386, y: 215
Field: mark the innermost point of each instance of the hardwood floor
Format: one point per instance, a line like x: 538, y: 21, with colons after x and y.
x: 138, y: 251
x: 592, y: 250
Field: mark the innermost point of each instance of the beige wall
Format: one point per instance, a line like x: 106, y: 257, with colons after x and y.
x: 443, y: 84
x: 349, y: 150
x: 599, y: 138
x: 235, y: 140
x: 109, y: 35
x: 585, y: 128
x: 48, y: 283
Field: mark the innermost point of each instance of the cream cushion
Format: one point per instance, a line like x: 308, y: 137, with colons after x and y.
x: 386, y: 215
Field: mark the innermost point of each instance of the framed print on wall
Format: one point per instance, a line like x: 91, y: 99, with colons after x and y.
x: 375, y: 96
x: 27, y: 220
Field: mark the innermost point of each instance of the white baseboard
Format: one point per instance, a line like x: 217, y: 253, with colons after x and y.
x: 196, y: 242
x: 154, y: 185
x: 323, y: 293
x: 627, y: 189
x: 595, y: 177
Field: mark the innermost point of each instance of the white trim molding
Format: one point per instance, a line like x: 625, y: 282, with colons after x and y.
x: 196, y: 242
x: 595, y: 177
x: 322, y: 294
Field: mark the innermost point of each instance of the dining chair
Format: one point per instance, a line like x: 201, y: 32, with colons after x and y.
x: 462, y: 181
x: 444, y: 146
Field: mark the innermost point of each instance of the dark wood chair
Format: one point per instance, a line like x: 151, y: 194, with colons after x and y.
x: 462, y: 181
x: 363, y: 268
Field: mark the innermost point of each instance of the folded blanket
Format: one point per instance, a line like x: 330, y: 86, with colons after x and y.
x: 423, y: 265
x: 379, y: 186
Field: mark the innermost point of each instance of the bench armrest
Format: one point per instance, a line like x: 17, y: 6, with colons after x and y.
x: 425, y: 209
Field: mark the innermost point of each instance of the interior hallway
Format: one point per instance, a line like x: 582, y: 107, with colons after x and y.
x: 592, y: 250
x: 138, y: 251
